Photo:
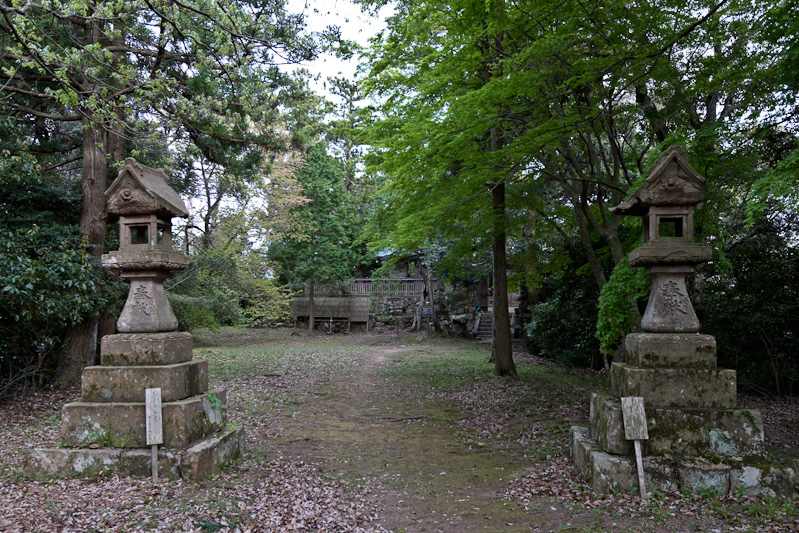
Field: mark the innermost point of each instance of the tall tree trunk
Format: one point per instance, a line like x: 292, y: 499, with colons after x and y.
x: 311, y: 310
x: 82, y: 337
x: 501, y: 348
x: 428, y: 296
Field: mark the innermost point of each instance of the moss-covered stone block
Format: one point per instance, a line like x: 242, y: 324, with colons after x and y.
x: 122, y: 424
x: 581, y: 447
x: 209, y: 456
x: 607, y: 425
x: 46, y: 463
x: 676, y: 350
x: 700, y: 478
x: 128, y: 349
x: 762, y: 480
x: 127, y: 383
x: 705, y: 432
x: 676, y: 387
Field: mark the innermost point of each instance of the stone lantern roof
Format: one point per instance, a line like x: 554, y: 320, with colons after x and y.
x: 140, y: 190
x: 666, y: 202
x: 671, y: 181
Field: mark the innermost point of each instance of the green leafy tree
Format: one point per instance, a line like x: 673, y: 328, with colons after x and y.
x: 563, y: 104
x: 321, y: 249
x: 207, y: 70
x: 48, y: 282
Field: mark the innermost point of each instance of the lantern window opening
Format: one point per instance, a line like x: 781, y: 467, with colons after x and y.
x: 670, y: 227
x: 139, y: 234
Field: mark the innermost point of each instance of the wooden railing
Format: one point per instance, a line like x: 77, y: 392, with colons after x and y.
x: 393, y: 287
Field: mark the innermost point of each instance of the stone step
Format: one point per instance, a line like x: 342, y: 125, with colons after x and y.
x: 127, y: 383
x: 122, y: 424
x: 146, y: 348
x: 606, y: 473
x: 690, y: 388
x: 687, y: 432
x: 196, y: 463
x: 486, y: 327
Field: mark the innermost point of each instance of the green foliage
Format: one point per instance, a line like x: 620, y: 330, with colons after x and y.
x: 751, y: 307
x: 47, y: 281
x: 617, y: 304
x: 208, y: 293
x: 563, y: 324
x: 227, y: 286
x: 45, y: 286
x: 321, y: 249
x: 195, y: 312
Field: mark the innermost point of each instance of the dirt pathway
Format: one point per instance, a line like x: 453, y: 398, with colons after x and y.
x: 399, y: 439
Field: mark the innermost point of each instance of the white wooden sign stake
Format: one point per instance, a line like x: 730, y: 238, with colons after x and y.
x: 632, y: 410
x: 154, y: 425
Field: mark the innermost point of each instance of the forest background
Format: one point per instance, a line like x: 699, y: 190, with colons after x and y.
x: 479, y: 138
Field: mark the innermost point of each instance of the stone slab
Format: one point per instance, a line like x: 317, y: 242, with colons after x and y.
x: 606, y: 473
x: 607, y: 425
x: 196, y: 463
x: 210, y: 456
x: 701, y: 478
x: 705, y: 432
x: 127, y: 383
x: 581, y: 448
x: 676, y: 350
x: 662, y: 252
x: 693, y: 432
x: 676, y: 387
x: 759, y: 481
x: 127, y: 349
x: 47, y: 463
x: 122, y: 424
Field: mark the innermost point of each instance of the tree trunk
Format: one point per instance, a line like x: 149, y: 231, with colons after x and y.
x: 428, y: 298
x: 501, y: 348
x: 82, y: 337
x: 311, y: 310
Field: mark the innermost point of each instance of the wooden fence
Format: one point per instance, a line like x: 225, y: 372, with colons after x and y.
x: 394, y: 287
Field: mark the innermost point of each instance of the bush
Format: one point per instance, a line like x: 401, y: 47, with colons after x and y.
x: 210, y: 311
x: 45, y: 287
x: 563, y: 326
x: 752, y: 308
x: 617, y: 309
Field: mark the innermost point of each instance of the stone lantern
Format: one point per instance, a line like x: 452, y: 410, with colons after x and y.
x: 698, y: 439
x: 666, y: 201
x: 106, y: 429
x: 145, y: 203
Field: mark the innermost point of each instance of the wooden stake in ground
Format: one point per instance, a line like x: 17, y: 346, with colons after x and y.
x: 632, y: 410
x: 154, y: 425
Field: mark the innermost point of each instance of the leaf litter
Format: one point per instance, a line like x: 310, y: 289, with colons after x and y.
x: 272, y: 489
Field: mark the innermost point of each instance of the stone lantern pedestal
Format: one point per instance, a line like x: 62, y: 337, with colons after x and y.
x: 105, y: 430
x: 698, y: 438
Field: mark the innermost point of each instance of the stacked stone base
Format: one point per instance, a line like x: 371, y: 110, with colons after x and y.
x: 106, y: 431
x: 698, y: 440
x: 195, y: 463
x: 609, y: 473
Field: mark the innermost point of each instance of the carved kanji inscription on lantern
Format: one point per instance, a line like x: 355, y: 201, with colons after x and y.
x: 673, y: 299
x: 142, y: 301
